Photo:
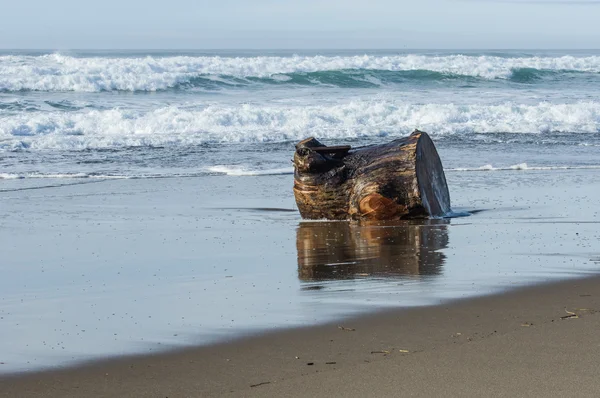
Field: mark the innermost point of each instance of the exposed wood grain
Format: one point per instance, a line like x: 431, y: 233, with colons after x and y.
x: 401, y: 179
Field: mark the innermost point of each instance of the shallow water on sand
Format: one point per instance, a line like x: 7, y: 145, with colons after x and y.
x: 145, y: 197
x: 136, y: 266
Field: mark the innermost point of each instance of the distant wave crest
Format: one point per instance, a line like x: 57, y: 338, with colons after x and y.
x: 248, y: 123
x: 56, y: 72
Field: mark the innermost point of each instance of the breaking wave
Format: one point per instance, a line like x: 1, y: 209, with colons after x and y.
x: 56, y: 72
x: 174, y: 126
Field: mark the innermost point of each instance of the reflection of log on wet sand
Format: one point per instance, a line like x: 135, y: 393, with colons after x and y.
x: 341, y: 250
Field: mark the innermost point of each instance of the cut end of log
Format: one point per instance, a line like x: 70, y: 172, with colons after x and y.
x: 433, y: 189
x: 400, y: 179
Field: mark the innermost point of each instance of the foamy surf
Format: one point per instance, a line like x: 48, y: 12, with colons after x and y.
x: 245, y: 171
x: 263, y: 123
x: 22, y: 176
x: 249, y: 171
x: 523, y: 167
x: 56, y: 72
x: 97, y: 176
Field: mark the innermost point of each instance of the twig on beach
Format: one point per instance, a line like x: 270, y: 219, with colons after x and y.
x: 570, y: 315
x: 260, y: 384
x: 380, y: 352
x: 404, y: 351
x: 346, y: 329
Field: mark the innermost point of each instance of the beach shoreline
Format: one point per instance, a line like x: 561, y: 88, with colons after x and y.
x: 272, y: 363
x: 152, y: 246
x: 126, y: 267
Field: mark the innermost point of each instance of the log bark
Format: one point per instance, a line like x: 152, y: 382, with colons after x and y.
x: 398, y: 180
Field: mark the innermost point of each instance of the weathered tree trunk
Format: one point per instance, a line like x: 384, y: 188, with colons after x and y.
x: 401, y: 179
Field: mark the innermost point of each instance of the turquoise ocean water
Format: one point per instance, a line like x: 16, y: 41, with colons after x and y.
x: 143, y: 114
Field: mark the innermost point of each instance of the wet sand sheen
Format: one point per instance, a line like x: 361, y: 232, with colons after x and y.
x: 145, y: 266
x: 541, y: 341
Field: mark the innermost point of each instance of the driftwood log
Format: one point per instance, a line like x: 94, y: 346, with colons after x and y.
x: 398, y: 180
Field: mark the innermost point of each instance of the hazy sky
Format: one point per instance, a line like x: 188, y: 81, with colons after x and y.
x: 147, y: 24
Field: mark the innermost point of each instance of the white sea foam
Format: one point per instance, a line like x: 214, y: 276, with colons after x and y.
x: 524, y: 166
x: 97, y: 176
x: 232, y: 170
x: 173, y: 126
x: 56, y: 72
x: 245, y: 171
x: 10, y: 176
x: 19, y: 176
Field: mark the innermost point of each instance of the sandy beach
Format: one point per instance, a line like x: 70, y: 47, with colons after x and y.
x: 538, y: 342
x: 210, y: 286
x: 300, y: 199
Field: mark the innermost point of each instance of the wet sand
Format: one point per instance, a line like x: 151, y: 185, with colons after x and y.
x: 213, y: 285
x: 539, y: 341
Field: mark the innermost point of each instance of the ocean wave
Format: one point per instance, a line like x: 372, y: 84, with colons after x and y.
x: 239, y: 171
x: 22, y: 176
x: 348, y: 78
x: 245, y: 171
x: 173, y: 126
x: 250, y: 171
x: 105, y: 176
x: 523, y: 167
x: 56, y: 72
